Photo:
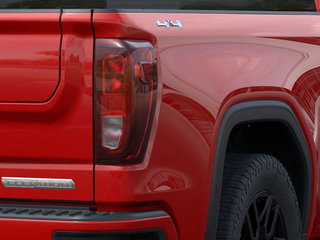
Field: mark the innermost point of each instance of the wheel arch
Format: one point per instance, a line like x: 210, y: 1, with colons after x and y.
x: 257, y: 111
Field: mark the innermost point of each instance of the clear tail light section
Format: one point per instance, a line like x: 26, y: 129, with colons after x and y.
x: 125, y: 95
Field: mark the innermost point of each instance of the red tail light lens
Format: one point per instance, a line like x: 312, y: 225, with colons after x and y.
x: 125, y: 94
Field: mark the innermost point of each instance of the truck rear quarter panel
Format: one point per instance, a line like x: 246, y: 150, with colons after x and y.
x: 218, y: 59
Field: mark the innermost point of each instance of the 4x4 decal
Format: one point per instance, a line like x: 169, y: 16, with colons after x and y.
x: 169, y: 23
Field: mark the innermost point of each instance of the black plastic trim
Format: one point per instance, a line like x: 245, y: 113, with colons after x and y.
x: 85, y: 10
x: 92, y: 235
x: 71, y: 213
x: 255, y: 111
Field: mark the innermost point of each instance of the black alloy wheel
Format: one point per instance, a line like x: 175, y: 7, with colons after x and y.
x: 264, y: 220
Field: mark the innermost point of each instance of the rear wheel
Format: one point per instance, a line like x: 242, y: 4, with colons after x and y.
x: 258, y: 201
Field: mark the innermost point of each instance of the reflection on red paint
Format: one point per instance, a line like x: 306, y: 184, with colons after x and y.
x: 166, y: 181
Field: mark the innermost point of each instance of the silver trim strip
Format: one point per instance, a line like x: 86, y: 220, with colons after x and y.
x: 42, y: 183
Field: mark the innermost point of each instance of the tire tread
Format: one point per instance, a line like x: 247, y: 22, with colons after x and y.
x: 239, y: 174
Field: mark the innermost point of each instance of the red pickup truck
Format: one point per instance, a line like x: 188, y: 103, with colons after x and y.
x: 159, y: 120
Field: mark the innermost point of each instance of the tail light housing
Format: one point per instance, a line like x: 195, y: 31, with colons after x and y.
x: 125, y: 94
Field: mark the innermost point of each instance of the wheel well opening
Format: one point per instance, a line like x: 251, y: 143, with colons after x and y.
x: 277, y: 140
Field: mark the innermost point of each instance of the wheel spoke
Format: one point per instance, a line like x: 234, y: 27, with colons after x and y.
x: 266, y: 219
x: 274, y: 221
x: 252, y: 235
x: 256, y: 214
x: 266, y: 210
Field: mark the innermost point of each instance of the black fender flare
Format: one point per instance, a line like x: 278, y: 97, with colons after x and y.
x: 256, y: 111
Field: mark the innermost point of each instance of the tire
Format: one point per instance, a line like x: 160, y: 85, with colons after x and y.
x: 257, y: 186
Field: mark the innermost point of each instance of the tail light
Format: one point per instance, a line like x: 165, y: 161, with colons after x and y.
x: 125, y: 94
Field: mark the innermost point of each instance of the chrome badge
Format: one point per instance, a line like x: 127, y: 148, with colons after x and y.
x: 169, y: 23
x: 48, y: 183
